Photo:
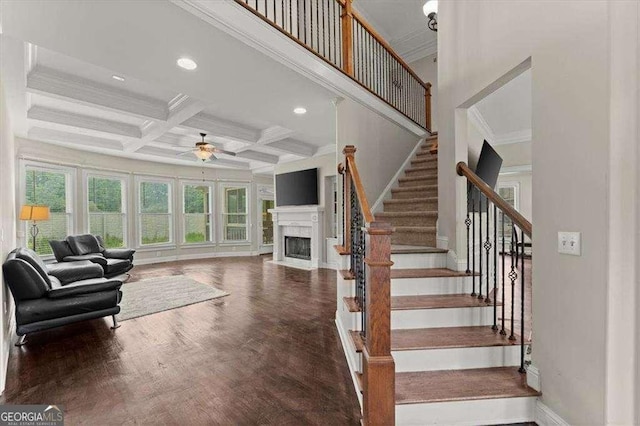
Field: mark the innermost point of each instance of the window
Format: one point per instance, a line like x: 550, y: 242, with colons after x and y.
x: 508, y: 191
x: 234, y: 214
x: 106, y: 208
x: 52, y: 188
x: 155, y: 212
x: 197, y: 209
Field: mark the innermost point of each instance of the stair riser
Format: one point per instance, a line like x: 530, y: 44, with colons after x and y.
x: 456, y: 358
x: 446, y: 317
x: 403, y: 195
x: 424, y: 160
x: 421, y: 172
x: 425, y: 152
x: 410, y: 220
x: 411, y: 206
x: 430, y: 286
x: 473, y: 412
x: 433, y: 180
x: 419, y: 260
x: 414, y: 238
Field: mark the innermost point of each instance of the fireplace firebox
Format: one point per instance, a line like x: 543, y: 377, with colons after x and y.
x: 297, y: 247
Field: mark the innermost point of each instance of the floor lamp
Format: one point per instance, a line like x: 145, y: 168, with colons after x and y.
x: 34, y: 213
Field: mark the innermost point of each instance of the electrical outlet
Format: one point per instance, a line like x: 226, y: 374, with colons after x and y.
x: 569, y: 243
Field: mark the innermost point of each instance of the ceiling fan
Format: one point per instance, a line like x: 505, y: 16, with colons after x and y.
x: 205, y: 151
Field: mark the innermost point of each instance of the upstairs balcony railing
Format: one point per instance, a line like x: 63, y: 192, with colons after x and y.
x: 332, y: 30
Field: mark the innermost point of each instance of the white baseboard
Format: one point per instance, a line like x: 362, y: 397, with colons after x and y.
x: 152, y: 260
x: 346, y: 340
x: 545, y: 416
x: 377, y: 206
x: 442, y: 242
x: 533, y: 377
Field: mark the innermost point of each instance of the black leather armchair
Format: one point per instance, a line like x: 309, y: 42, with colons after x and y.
x: 89, y: 247
x: 49, y: 296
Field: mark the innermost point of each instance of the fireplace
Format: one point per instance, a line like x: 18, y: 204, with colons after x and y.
x: 297, y: 247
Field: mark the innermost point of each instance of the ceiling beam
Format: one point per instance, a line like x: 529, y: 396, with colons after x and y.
x: 82, y: 121
x: 259, y: 156
x: 181, y: 108
x: 51, y: 135
x: 56, y: 84
x: 214, y: 126
x: 293, y: 146
x: 273, y: 134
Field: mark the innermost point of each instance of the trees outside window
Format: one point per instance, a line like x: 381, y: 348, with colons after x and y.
x: 234, y: 214
x: 154, y: 212
x: 106, y: 209
x: 49, y: 187
x: 198, y: 218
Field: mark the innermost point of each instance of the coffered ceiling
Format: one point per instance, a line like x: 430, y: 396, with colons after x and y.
x: 58, y: 65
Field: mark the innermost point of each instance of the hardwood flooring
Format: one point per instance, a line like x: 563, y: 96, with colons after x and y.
x: 267, y: 354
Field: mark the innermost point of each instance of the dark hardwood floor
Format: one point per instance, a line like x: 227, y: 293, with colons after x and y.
x: 267, y: 354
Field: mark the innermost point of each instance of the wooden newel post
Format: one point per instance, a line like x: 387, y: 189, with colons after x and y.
x: 378, y: 365
x: 347, y: 37
x: 427, y: 100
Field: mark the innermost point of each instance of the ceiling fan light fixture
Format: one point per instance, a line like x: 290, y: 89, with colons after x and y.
x: 203, y: 155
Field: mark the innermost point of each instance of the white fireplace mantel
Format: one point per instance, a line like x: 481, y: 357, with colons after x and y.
x: 298, y: 221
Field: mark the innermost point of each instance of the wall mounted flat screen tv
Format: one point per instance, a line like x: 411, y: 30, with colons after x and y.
x: 488, y: 169
x: 297, y: 188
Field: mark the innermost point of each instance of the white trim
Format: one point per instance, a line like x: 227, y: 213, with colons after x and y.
x: 386, y: 193
x: 325, y: 150
x: 512, y: 170
x: 412, y: 46
x: 222, y: 203
x: 124, y: 195
x: 442, y: 242
x: 212, y: 213
x: 196, y: 256
x: 533, y: 377
x: 138, y: 180
x: 545, y: 416
x: 476, y: 118
x: 513, y: 137
x: 346, y: 340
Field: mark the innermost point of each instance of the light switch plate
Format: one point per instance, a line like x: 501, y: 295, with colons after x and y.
x: 569, y: 243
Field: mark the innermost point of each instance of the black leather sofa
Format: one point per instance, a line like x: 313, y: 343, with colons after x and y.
x: 48, y: 296
x: 91, y: 247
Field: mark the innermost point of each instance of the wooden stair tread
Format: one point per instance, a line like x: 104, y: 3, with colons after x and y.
x: 430, y: 167
x: 427, y: 273
x: 410, y: 200
x: 414, y: 178
x: 415, y: 229
x: 415, y: 273
x: 438, y: 301
x: 448, y: 337
x: 461, y: 385
x: 441, y: 338
x: 409, y: 249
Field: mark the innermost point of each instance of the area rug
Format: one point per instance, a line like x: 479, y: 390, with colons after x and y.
x: 152, y: 295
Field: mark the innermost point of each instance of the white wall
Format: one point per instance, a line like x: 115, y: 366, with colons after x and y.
x: 427, y: 70
x: 382, y: 146
x: 53, y: 154
x: 480, y: 41
x: 8, y: 229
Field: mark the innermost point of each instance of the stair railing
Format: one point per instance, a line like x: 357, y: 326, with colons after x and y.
x: 368, y: 243
x: 485, y: 206
x: 335, y: 32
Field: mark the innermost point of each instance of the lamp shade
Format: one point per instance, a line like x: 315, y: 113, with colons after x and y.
x: 29, y: 212
x: 431, y: 6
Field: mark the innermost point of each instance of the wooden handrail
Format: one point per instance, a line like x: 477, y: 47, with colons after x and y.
x: 513, y: 214
x: 359, y: 188
x: 388, y: 48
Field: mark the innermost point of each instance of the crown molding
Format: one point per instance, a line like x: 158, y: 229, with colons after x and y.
x: 513, y: 170
x: 325, y: 150
x: 475, y: 116
x: 273, y: 134
x: 415, y: 45
x: 56, y: 84
x: 82, y: 121
x: 73, y: 140
x: 293, y: 146
x: 259, y: 156
x: 513, y: 137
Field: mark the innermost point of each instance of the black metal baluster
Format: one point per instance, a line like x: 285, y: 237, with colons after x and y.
x: 487, y: 247
x: 324, y: 40
x: 480, y: 296
x: 304, y: 17
x: 473, y: 239
x: 495, y: 268
x: 522, y: 289
x: 467, y: 222
x: 504, y: 282
x: 513, y: 275
x: 317, y: 26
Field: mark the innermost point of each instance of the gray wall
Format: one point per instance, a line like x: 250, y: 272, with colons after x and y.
x: 8, y: 228
x: 33, y: 150
x: 570, y: 56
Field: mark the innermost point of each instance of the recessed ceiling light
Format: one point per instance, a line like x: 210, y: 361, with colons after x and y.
x: 187, y: 64
x: 117, y: 77
x: 300, y: 110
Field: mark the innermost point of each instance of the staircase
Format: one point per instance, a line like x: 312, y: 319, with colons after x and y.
x: 451, y: 365
x: 413, y: 208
